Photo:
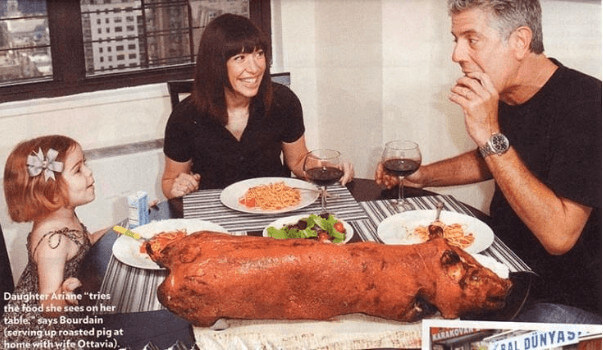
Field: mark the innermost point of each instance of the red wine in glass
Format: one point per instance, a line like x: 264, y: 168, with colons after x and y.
x: 324, y: 168
x: 324, y: 176
x: 401, y: 158
x: 401, y: 166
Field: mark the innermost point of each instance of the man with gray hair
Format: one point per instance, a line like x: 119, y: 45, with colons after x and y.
x: 537, y: 128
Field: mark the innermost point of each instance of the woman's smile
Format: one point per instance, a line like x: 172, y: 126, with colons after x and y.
x: 245, y: 72
x: 252, y: 82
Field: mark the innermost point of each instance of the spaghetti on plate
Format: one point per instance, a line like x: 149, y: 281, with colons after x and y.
x: 273, y: 196
x: 454, y: 234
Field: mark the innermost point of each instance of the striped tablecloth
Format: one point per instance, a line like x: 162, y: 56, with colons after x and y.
x: 206, y: 205
x: 134, y: 290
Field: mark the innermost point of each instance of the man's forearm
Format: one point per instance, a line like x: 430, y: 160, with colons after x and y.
x: 555, y: 221
x: 463, y: 169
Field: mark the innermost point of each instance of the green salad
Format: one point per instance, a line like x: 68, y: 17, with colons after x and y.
x: 312, y: 226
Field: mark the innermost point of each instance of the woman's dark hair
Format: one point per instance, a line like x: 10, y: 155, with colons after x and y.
x: 224, y: 37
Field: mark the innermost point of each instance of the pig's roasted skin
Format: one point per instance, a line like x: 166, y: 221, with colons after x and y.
x: 214, y: 275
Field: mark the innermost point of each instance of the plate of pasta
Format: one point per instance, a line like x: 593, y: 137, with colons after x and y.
x: 130, y: 252
x: 411, y: 227
x: 269, y: 195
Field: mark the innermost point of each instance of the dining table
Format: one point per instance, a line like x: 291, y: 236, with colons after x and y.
x: 131, y: 310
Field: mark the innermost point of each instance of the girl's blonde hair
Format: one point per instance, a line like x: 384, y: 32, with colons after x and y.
x: 33, y: 197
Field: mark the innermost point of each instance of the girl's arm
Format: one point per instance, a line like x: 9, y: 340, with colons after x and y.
x: 52, y: 282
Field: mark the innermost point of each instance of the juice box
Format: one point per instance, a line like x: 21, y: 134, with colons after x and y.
x: 138, y: 209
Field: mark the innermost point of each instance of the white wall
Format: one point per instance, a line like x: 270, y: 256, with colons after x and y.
x: 366, y: 71
x: 418, y: 74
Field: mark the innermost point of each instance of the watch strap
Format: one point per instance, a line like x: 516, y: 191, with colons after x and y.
x: 485, y: 150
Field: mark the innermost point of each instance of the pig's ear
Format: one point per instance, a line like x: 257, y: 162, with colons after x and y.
x: 449, y: 257
x: 452, y: 265
x: 189, y: 253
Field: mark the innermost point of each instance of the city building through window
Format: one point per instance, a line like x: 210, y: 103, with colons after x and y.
x: 59, y: 47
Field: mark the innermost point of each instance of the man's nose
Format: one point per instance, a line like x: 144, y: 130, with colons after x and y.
x: 459, y: 53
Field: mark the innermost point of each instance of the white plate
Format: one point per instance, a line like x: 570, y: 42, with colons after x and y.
x: 397, y: 228
x: 127, y: 249
x: 500, y: 269
x: 289, y: 220
x: 231, y: 194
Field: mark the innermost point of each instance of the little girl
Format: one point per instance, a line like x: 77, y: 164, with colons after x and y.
x: 45, y: 179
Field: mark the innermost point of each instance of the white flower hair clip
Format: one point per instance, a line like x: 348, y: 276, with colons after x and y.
x: 36, y: 163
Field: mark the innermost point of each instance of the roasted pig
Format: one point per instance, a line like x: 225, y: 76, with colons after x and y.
x: 216, y: 275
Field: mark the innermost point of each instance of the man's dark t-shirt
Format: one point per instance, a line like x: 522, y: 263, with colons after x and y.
x: 557, y: 134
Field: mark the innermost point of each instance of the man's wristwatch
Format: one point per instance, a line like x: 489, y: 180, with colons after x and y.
x: 497, y: 144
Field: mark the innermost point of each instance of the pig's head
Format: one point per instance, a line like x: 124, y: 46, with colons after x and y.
x: 464, y: 286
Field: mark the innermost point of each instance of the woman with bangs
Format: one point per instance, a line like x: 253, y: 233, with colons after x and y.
x: 236, y: 122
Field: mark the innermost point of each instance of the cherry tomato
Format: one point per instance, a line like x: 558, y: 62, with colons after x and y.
x: 323, y: 236
x: 339, y: 227
x: 250, y: 203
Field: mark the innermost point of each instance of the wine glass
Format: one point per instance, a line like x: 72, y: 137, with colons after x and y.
x: 401, y: 158
x: 323, y: 167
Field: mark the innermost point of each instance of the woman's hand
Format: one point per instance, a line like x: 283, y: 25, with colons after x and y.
x: 185, y: 184
x: 348, y: 173
x: 178, y: 179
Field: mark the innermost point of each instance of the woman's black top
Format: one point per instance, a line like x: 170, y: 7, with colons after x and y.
x: 218, y: 156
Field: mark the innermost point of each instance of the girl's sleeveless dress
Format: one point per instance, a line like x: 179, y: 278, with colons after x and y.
x: 22, y: 322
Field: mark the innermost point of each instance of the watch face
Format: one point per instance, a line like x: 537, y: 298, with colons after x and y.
x: 500, y: 143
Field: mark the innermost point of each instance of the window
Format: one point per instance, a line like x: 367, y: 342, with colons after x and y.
x: 73, y: 42
x: 25, y: 53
